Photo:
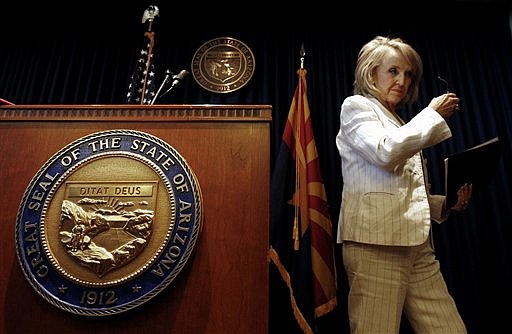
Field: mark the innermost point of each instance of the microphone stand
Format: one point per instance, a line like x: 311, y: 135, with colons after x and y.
x: 164, y: 82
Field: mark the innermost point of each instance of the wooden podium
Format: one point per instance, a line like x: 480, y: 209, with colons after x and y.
x: 224, y: 288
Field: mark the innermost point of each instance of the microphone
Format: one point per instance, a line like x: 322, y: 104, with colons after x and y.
x: 179, y: 77
x: 176, y: 79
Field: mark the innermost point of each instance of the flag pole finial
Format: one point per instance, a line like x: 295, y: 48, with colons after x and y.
x: 302, y: 54
x: 149, y: 15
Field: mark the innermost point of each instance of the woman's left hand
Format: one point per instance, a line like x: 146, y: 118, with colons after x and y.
x: 463, y: 197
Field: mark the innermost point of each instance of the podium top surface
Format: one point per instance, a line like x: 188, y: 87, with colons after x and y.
x: 139, y: 113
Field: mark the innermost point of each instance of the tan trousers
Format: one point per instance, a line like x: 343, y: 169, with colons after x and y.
x: 388, y: 280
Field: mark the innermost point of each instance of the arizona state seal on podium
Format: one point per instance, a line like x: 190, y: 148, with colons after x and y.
x: 108, y: 222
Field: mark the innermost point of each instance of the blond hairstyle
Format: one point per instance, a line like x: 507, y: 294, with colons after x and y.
x: 370, y: 57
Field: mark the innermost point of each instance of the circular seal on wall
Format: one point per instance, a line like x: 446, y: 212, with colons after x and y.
x: 223, y: 65
x: 108, y: 222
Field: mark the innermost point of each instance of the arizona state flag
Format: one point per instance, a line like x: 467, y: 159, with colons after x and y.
x: 300, y: 227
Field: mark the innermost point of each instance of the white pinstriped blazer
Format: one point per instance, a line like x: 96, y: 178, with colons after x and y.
x: 385, y: 200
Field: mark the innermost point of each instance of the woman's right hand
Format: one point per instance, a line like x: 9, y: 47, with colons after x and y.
x: 446, y: 105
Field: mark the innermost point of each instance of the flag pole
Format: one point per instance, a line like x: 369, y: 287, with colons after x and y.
x: 149, y: 15
x: 296, y: 232
x: 302, y: 55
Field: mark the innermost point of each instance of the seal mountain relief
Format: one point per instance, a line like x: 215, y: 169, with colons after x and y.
x: 108, y: 222
x: 115, y: 215
x: 223, y: 65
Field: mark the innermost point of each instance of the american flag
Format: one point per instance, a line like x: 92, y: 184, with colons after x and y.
x: 141, y: 89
